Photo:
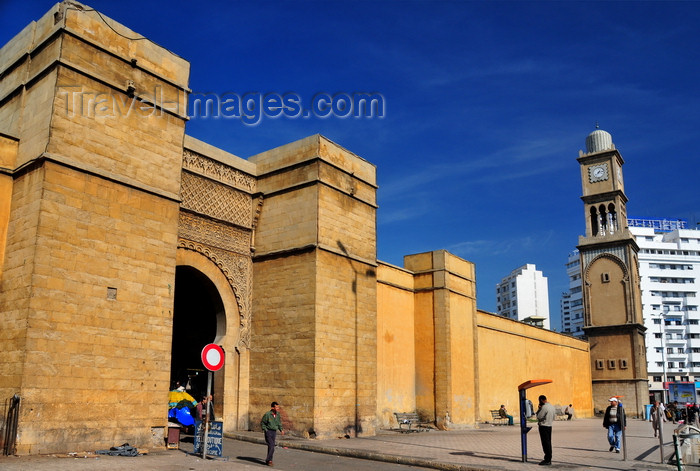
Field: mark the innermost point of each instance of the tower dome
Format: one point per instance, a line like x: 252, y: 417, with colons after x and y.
x: 598, y: 141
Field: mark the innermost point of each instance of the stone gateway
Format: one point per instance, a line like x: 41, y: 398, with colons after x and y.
x: 127, y: 245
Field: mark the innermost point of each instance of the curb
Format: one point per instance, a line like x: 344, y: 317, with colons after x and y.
x: 361, y: 454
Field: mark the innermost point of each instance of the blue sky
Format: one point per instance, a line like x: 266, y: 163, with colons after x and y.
x: 487, y: 106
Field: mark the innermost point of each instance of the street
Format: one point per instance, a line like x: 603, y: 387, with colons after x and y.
x: 238, y: 455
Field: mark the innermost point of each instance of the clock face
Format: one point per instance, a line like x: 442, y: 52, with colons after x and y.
x: 597, y: 173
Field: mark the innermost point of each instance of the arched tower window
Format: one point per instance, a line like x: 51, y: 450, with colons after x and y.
x: 594, y: 221
x: 603, y: 220
x: 612, y: 219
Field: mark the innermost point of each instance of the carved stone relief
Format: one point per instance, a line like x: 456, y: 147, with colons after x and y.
x: 219, y: 201
x: 238, y: 270
x: 216, y: 170
x: 214, y: 234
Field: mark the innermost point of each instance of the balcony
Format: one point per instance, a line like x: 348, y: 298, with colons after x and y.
x: 675, y: 327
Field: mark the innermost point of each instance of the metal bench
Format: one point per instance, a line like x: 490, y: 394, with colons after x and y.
x: 411, y: 419
x: 496, y: 418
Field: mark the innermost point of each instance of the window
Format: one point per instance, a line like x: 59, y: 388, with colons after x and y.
x: 661, y: 350
x: 671, y: 364
x: 605, y: 277
x: 611, y: 364
x: 656, y: 379
x: 681, y: 364
x: 669, y: 350
x: 623, y: 363
x: 599, y: 364
x: 657, y: 336
x: 671, y: 378
x: 685, y: 378
x: 680, y: 350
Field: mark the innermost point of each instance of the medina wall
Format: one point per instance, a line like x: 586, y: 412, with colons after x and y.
x: 90, y: 235
x: 440, y: 356
x: 314, y: 304
x: 511, y: 352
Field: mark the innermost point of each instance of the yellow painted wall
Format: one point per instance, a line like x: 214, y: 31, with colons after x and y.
x: 8, y: 154
x: 511, y: 352
x: 437, y: 353
x: 396, y: 362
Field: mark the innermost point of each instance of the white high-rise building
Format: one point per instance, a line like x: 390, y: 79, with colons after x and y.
x: 524, y: 296
x: 669, y: 269
x: 571, y: 303
x: 669, y: 264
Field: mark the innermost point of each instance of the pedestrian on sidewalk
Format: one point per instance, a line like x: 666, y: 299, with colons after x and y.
x: 271, y: 423
x: 656, y: 413
x: 614, y: 421
x: 692, y: 414
x: 545, y: 419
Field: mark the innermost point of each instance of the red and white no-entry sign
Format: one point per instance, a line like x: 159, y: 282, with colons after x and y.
x: 213, y: 357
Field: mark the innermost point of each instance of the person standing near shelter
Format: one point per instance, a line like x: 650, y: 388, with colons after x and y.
x: 271, y: 423
x: 545, y: 419
x: 614, y: 421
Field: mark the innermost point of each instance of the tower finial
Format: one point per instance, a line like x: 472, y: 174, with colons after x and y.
x: 597, y: 126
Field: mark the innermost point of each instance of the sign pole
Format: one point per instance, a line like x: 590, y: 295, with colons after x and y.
x: 660, y: 416
x: 206, y: 419
x: 623, y: 421
x: 213, y: 360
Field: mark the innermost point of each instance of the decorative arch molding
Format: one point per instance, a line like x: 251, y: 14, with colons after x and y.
x: 613, y: 258
x: 236, y: 270
x: 587, y: 284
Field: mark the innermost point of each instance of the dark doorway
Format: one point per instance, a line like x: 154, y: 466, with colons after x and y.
x: 197, y: 305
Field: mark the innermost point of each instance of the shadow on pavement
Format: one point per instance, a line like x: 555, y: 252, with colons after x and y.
x: 250, y: 459
x: 486, y: 456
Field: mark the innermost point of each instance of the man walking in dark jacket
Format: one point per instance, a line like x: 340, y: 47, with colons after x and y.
x: 614, y: 421
x: 271, y: 423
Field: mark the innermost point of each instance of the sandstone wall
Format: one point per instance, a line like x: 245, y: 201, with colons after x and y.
x: 314, y: 306
x: 89, y: 261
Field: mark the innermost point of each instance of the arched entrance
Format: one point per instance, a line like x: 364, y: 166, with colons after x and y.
x: 207, y: 311
x: 198, y: 306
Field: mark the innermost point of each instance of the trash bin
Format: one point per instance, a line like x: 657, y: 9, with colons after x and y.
x: 173, y: 441
x: 647, y: 411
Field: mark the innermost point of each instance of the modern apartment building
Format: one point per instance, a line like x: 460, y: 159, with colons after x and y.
x: 669, y: 260
x: 669, y: 268
x: 524, y: 296
x: 571, y: 303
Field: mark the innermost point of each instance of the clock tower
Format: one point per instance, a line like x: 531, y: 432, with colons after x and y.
x: 612, y: 302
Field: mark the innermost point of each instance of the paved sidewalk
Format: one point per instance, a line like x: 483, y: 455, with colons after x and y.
x: 578, y: 444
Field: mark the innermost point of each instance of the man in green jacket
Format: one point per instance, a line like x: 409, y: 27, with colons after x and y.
x: 271, y: 423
